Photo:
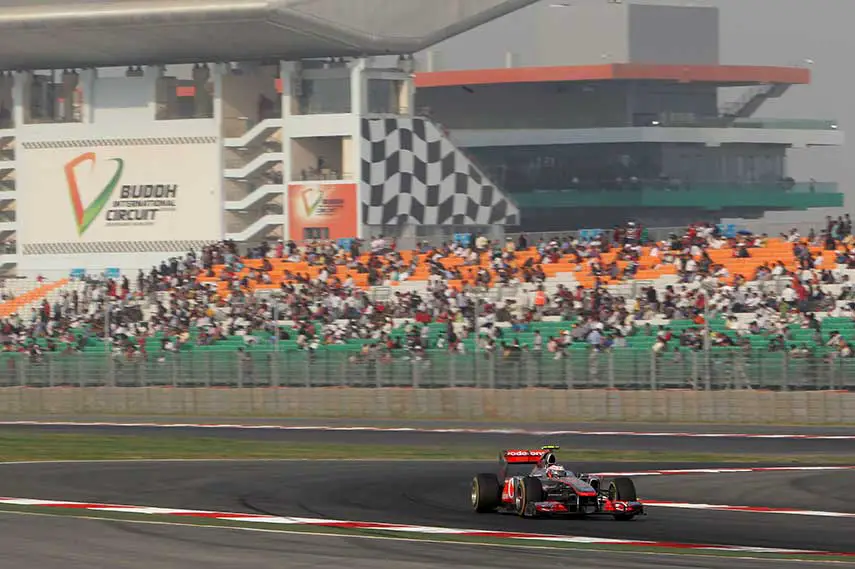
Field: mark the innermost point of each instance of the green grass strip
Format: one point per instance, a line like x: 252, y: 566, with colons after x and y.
x: 24, y: 445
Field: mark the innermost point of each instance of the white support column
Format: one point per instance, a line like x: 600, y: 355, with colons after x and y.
x: 289, y: 73
x: 88, y: 80
x: 407, y: 95
x: 70, y: 111
x: 152, y: 76
x: 432, y: 61
x: 21, y: 97
x: 219, y: 70
x: 358, y: 87
x: 358, y: 108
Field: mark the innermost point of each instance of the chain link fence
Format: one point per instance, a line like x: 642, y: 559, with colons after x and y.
x: 581, y: 369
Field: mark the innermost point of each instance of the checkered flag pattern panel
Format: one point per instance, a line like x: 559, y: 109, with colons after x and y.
x: 412, y: 173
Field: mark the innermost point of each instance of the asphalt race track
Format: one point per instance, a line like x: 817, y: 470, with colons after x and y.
x: 56, y: 543
x: 424, y: 493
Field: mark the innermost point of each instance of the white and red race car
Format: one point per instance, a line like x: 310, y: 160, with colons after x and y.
x: 549, y: 489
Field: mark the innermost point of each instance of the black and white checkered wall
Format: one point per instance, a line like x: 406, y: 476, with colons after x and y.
x: 412, y: 173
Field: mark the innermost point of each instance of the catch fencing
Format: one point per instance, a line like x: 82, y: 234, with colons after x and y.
x: 625, y: 369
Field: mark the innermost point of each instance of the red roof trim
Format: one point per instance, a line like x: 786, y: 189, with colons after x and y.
x: 624, y: 71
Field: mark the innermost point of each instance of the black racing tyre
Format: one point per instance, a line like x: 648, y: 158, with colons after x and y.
x: 623, y: 489
x: 486, y: 493
x: 528, y: 491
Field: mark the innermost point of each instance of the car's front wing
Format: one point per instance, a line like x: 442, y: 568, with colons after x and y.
x: 610, y: 507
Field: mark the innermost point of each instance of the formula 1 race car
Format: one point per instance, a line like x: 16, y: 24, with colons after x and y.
x: 549, y: 489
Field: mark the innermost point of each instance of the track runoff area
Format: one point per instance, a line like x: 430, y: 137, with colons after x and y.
x: 695, y: 487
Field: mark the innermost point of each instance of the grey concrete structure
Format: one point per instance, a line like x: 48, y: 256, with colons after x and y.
x: 673, y: 35
x: 585, y: 33
x: 729, y: 406
x: 94, y: 33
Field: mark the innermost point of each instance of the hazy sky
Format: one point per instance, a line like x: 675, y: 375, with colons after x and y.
x: 788, y: 32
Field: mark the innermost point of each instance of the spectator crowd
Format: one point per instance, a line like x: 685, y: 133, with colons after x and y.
x: 171, y: 303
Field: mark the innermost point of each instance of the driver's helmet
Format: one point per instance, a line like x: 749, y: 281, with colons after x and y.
x: 556, y: 471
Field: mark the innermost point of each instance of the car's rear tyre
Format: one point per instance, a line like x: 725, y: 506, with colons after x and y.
x: 623, y: 490
x: 528, y: 491
x: 486, y: 493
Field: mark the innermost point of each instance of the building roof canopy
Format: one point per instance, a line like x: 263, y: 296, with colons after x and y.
x: 41, y: 34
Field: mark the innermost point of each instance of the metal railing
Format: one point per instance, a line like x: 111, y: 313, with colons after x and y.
x: 629, y: 369
x: 409, y: 237
x: 689, y: 195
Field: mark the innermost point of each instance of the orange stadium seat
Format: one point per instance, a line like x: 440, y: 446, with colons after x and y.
x: 649, y: 268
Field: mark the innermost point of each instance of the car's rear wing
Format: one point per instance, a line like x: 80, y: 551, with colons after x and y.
x: 527, y: 456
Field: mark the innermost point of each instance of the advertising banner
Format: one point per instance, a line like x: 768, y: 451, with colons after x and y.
x: 118, y: 194
x: 319, y: 210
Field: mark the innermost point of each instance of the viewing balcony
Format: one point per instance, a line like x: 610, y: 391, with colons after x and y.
x: 679, y: 128
x: 708, y: 196
x: 692, y: 121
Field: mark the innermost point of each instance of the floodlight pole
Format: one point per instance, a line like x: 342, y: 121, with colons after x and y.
x: 707, y: 339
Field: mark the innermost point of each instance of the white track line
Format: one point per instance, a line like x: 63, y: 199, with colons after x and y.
x: 688, y: 471
x: 751, y: 509
x: 543, y: 433
x: 385, y: 527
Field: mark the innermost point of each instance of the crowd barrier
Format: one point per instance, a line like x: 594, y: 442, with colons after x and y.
x: 622, y: 368
x: 732, y: 386
x: 534, y: 404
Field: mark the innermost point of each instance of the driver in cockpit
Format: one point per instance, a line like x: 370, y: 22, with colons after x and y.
x: 548, y: 468
x: 544, y: 463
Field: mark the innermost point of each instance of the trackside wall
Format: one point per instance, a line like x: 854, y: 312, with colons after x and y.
x: 816, y: 407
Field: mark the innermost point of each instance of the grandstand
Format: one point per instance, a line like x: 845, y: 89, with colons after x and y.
x: 312, y: 313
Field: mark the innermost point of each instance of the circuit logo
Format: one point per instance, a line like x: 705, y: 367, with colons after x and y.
x: 84, y: 216
x: 311, y: 204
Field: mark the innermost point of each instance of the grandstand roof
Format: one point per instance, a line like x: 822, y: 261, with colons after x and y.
x: 41, y: 34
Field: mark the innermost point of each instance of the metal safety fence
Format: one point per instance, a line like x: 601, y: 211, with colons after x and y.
x: 581, y: 369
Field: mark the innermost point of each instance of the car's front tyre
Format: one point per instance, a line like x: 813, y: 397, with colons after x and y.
x: 486, y: 493
x: 529, y: 491
x: 623, y: 490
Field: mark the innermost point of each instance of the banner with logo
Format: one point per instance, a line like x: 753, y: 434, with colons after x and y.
x: 144, y: 192
x: 321, y: 210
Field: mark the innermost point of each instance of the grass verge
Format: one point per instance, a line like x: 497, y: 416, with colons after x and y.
x: 407, y: 536
x: 26, y: 445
